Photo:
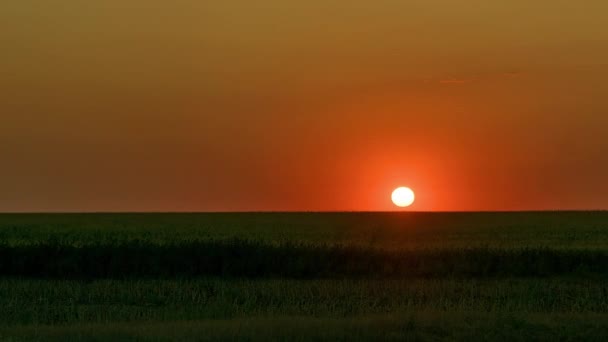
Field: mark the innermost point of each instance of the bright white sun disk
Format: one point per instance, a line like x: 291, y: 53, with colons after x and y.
x: 403, y: 197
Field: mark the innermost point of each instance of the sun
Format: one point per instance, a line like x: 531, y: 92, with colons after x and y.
x: 403, y: 197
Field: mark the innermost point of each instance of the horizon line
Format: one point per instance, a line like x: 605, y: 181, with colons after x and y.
x: 306, y: 212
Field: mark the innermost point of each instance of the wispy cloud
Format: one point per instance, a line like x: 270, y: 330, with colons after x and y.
x: 479, y: 77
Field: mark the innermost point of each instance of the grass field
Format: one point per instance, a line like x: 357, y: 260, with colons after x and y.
x: 286, y: 276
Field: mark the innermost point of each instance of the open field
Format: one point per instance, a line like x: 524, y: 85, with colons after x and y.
x: 555, y: 230
x: 414, y: 326
x: 498, y: 276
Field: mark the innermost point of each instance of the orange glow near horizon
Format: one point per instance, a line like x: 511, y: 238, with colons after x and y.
x: 273, y: 105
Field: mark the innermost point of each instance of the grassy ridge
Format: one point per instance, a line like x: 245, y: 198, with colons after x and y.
x: 239, y: 258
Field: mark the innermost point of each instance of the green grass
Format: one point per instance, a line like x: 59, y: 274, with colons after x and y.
x: 414, y: 326
x: 555, y: 230
x: 285, y: 276
x: 255, y: 259
x: 35, y: 301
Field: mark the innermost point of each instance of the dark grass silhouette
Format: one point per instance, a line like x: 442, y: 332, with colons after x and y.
x: 286, y: 276
x: 240, y: 258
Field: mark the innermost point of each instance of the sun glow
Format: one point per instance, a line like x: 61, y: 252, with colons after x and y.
x: 403, y: 197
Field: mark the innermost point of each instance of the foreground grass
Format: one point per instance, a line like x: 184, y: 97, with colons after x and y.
x: 334, y: 276
x: 418, y: 326
x: 59, y: 302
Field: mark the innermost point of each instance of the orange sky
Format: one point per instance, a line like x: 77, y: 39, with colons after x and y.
x: 192, y: 105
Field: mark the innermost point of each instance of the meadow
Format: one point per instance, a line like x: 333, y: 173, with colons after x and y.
x: 286, y: 276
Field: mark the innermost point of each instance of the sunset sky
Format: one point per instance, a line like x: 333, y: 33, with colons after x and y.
x: 189, y: 105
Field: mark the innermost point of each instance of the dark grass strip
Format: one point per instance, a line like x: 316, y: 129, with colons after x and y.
x: 240, y: 258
